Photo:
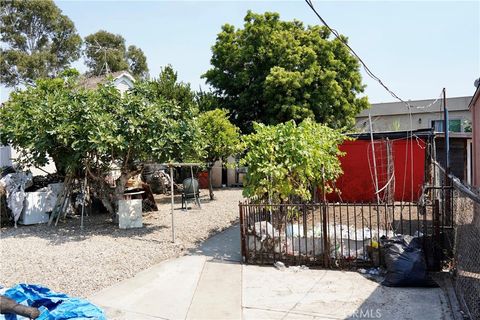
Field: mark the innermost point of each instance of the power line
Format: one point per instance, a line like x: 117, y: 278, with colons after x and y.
x: 367, y: 69
x: 393, y: 94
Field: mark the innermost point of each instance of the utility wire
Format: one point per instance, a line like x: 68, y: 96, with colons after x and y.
x: 367, y: 69
x: 393, y: 94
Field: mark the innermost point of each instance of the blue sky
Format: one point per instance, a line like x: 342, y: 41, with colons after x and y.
x: 415, y: 47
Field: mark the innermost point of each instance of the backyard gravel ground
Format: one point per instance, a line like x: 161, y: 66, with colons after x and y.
x: 81, y: 262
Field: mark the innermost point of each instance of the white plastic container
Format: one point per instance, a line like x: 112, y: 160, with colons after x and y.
x: 35, y: 206
x: 130, y: 214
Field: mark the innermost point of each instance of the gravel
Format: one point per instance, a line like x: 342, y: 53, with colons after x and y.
x: 82, y: 262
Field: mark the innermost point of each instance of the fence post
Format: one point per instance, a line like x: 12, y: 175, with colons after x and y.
x: 326, y: 251
x: 436, y: 236
x: 242, y: 233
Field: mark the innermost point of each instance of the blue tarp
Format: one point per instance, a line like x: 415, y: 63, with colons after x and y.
x: 52, y: 305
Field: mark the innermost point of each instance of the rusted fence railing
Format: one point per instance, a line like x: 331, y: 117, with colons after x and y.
x: 332, y: 234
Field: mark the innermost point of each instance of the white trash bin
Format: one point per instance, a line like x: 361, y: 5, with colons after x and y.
x: 130, y: 214
x: 35, y: 207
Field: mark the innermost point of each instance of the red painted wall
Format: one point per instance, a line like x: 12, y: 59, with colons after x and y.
x: 356, y: 184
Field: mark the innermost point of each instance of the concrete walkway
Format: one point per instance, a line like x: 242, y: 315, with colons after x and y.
x: 212, y: 284
x: 204, y: 285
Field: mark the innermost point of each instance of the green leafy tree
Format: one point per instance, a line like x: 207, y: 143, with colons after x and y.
x: 44, y: 120
x: 90, y: 131
x: 138, y: 127
x: 206, y: 101
x: 287, y: 162
x: 137, y: 62
x: 219, y: 137
x: 39, y: 41
x: 168, y: 86
x: 106, y: 52
x: 272, y: 71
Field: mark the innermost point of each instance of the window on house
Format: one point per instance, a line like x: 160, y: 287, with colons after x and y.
x: 454, y: 125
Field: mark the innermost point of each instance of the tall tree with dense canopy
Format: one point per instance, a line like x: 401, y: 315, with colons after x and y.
x: 39, y: 41
x: 220, y: 139
x: 272, y: 71
x: 106, y: 52
x: 137, y: 62
x: 169, y: 87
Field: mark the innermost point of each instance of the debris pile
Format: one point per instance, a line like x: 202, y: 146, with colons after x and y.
x: 405, y: 261
x: 281, y: 266
x: 14, y: 185
x: 26, y: 199
x: 344, y: 241
x: 264, y: 237
x: 40, y: 182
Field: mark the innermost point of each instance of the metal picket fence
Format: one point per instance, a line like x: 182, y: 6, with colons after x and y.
x: 331, y: 234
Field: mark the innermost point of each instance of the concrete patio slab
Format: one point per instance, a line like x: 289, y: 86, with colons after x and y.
x: 117, y: 314
x: 219, y: 292
x: 251, y: 313
x: 163, y: 291
x: 328, y: 294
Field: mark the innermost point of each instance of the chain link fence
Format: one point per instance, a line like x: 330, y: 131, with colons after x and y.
x: 466, y: 250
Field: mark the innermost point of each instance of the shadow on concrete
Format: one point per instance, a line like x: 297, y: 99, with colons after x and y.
x: 395, y: 303
x: 223, y: 246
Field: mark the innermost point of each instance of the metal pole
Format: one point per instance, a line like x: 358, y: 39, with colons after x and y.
x: 446, y: 128
x: 84, y: 198
x: 171, y: 192
x: 326, y: 255
x: 447, y: 191
x: 373, y: 156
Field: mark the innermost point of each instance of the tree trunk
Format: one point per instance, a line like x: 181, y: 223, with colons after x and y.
x: 61, y: 170
x: 110, y: 198
x: 210, y: 188
x: 120, y: 189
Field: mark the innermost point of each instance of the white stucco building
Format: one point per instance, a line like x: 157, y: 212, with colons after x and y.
x: 395, y: 116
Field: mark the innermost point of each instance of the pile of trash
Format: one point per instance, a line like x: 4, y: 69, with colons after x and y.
x: 28, y: 301
x: 41, y: 182
x: 405, y: 263
x: 279, y: 265
x: 263, y: 237
x: 14, y: 185
x: 344, y: 241
x: 29, y: 198
x: 401, y: 255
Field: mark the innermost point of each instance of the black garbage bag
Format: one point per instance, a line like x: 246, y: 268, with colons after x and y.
x: 405, y: 262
